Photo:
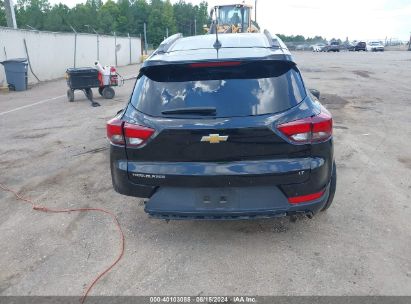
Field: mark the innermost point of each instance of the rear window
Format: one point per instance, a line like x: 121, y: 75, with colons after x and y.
x: 228, y: 90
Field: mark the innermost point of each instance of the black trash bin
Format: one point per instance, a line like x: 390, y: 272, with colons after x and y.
x: 16, y: 73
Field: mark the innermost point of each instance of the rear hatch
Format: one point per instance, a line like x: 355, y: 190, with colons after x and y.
x: 216, y: 119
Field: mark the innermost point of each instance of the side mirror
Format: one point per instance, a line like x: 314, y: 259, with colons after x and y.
x: 316, y: 93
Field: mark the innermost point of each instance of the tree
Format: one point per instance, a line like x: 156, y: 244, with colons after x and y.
x: 56, y: 18
x: 123, y: 23
x: 301, y: 39
x: 139, y: 11
x: 187, y: 15
x: 82, y: 15
x: 32, y: 13
x: 184, y: 14
x: 108, y: 17
x: 3, y: 21
x: 201, y: 16
x: 160, y: 19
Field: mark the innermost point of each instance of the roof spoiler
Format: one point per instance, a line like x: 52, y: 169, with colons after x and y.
x: 216, y: 70
x: 166, y: 44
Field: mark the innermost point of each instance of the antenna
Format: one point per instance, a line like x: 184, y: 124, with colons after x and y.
x: 217, y: 43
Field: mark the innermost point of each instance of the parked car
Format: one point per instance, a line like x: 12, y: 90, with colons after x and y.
x: 332, y: 47
x: 317, y: 47
x: 375, y: 46
x: 349, y: 47
x: 301, y: 47
x: 360, y: 46
x: 223, y: 129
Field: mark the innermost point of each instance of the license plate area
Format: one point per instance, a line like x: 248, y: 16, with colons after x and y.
x: 175, y: 200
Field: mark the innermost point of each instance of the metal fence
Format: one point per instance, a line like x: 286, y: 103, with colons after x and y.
x: 52, y: 53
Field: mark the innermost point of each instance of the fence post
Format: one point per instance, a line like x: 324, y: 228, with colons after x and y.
x: 129, y: 44
x: 115, y: 47
x: 98, y: 47
x: 145, y: 38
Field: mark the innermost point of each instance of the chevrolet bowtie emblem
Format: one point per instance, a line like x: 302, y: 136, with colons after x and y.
x: 214, y: 138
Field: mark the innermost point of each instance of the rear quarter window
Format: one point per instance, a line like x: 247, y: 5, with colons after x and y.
x: 231, y: 97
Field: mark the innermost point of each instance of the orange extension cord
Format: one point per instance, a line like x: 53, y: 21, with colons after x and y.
x: 46, y: 209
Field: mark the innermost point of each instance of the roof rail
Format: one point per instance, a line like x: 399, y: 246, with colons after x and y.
x: 274, y: 43
x: 165, y: 45
x: 268, y: 35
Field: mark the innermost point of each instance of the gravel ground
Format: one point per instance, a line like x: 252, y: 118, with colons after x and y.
x: 56, y: 153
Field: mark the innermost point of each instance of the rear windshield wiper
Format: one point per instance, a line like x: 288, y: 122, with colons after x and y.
x: 194, y: 110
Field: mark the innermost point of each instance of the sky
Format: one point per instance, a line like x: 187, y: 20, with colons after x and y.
x: 355, y: 19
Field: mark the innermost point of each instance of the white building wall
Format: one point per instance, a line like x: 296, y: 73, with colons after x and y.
x: 52, y: 53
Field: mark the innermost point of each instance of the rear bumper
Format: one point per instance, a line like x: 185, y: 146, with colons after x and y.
x: 255, y: 188
x: 227, y: 203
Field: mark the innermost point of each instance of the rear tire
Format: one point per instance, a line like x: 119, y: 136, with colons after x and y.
x: 333, y: 186
x: 70, y: 95
x: 108, y: 93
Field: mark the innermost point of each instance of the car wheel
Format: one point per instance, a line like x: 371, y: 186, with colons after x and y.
x: 108, y: 93
x: 70, y: 95
x: 333, y: 187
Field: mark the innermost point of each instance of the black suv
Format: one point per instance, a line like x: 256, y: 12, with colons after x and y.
x: 223, y: 128
x: 360, y: 46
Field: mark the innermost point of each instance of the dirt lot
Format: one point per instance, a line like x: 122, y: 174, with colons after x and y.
x: 56, y: 153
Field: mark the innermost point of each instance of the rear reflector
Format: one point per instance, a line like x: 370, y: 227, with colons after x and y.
x: 136, y: 135
x: 305, y: 198
x: 308, y: 130
x: 214, y: 64
x: 121, y: 133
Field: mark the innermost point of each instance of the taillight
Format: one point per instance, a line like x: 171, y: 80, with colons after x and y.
x: 115, y: 131
x: 136, y: 135
x: 322, y: 127
x: 305, y: 198
x: 121, y: 133
x: 308, y: 130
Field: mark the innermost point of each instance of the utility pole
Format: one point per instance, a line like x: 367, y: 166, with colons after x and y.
x: 409, y: 43
x: 167, y: 32
x: 195, y: 27
x: 10, y: 16
x: 255, y: 11
x: 145, y: 38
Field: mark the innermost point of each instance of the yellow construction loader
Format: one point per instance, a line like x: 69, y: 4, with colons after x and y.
x: 234, y: 18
